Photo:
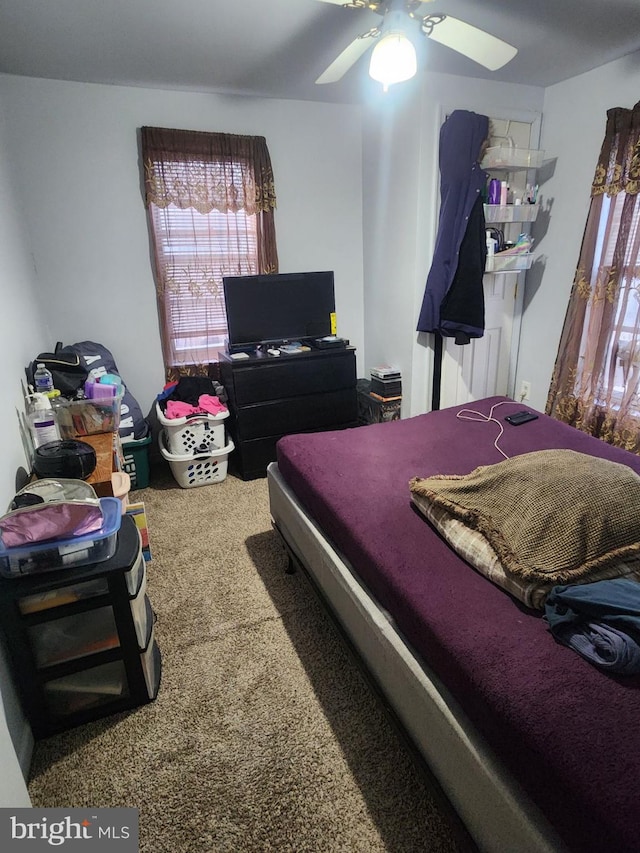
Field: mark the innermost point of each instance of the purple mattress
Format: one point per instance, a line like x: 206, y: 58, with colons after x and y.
x: 567, y: 731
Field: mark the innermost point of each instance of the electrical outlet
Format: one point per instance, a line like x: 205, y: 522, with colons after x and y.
x: 525, y: 391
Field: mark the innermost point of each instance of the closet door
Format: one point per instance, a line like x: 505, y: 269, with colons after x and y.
x: 486, y: 366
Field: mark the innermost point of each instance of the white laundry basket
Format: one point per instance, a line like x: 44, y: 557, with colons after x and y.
x: 196, y: 434
x: 189, y: 470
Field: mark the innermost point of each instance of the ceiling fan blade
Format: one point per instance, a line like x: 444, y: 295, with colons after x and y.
x: 349, y: 56
x: 362, y: 4
x: 482, y: 47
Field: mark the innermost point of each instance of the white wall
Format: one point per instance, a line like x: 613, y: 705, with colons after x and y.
x: 574, y: 121
x: 401, y: 189
x: 75, y: 252
x: 21, y: 333
x: 74, y: 150
x: 74, y: 227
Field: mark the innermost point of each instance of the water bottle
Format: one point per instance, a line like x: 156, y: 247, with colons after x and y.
x: 43, y: 380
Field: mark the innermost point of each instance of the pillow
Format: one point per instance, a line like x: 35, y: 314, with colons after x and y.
x: 475, y: 549
x: 550, y: 517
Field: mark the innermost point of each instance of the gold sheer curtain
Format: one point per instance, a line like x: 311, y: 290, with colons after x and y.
x: 596, y: 381
x: 210, y: 199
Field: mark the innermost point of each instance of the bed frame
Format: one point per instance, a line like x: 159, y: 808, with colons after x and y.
x: 497, y: 813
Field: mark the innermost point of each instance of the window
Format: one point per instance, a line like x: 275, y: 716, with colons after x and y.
x: 210, y: 202
x: 194, y: 252
x: 620, y: 385
x: 596, y: 381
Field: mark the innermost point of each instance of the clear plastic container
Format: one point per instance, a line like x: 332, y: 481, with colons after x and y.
x: 151, y: 664
x: 79, y: 551
x: 512, y: 158
x: 89, y: 688
x: 510, y: 212
x: 75, y: 636
x: 88, y: 417
x: 509, y: 263
x: 64, y: 595
x: 136, y: 574
x: 142, y: 613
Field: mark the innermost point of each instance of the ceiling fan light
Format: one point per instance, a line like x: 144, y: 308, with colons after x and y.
x: 393, y: 60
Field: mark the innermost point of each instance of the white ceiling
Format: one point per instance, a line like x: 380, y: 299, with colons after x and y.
x: 277, y: 48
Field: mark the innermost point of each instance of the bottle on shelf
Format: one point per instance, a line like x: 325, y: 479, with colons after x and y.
x: 494, y: 191
x: 42, y: 379
x: 42, y: 420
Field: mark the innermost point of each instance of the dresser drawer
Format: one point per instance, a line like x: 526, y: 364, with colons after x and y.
x: 293, y: 377
x: 297, y: 414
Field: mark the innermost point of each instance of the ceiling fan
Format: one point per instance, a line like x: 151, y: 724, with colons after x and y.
x: 398, y: 62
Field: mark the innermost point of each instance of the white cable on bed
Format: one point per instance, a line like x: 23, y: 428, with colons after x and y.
x: 463, y: 416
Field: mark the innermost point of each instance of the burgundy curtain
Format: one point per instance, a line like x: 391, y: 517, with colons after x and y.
x: 596, y: 380
x: 204, y: 172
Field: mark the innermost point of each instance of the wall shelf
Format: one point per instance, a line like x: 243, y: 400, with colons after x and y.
x: 508, y: 263
x: 510, y: 212
x: 512, y: 158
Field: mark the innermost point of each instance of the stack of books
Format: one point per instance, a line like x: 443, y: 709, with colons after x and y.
x: 386, y: 384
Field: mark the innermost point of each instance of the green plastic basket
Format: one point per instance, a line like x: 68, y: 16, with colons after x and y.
x: 136, y: 461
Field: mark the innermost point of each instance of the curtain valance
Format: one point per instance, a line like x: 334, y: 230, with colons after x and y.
x: 207, y: 171
x: 618, y: 168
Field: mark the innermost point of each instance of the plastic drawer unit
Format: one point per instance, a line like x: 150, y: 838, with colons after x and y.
x: 80, y: 641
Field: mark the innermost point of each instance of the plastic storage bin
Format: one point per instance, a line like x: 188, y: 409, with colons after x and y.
x: 189, y: 470
x: 79, y: 551
x: 136, y: 461
x: 136, y: 574
x: 510, y: 212
x: 194, y: 435
x: 89, y: 688
x: 512, y: 158
x: 151, y: 662
x: 508, y: 263
x: 88, y: 417
x: 142, y: 614
x: 64, y: 595
x: 75, y: 636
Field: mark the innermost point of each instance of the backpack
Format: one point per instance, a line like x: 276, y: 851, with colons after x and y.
x: 67, y: 368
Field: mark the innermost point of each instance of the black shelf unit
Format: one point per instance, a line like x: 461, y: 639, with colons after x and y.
x: 80, y: 641
x: 271, y: 396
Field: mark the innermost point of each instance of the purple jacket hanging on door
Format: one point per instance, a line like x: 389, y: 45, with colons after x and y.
x: 453, y: 302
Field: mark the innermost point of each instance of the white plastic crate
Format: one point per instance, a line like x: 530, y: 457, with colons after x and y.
x: 194, y: 435
x: 189, y: 470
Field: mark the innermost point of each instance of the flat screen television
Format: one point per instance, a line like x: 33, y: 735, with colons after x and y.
x: 270, y: 309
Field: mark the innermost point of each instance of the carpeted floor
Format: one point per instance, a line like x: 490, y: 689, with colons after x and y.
x: 264, y: 735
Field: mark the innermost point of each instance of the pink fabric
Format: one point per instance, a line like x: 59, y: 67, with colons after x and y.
x: 211, y: 404
x: 207, y: 405
x: 53, y: 520
x: 178, y: 409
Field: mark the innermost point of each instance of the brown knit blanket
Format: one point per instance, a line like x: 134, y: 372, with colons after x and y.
x: 552, y: 515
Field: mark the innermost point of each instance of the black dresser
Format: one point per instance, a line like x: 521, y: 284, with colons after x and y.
x: 272, y: 396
